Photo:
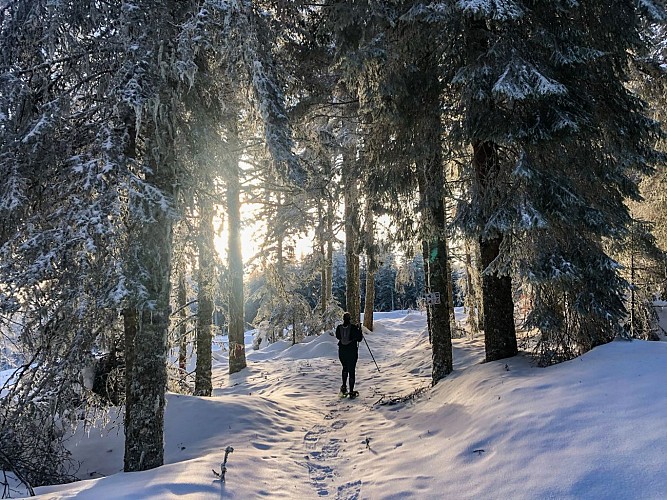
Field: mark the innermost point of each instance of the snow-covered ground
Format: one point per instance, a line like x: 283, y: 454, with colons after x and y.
x: 589, y: 428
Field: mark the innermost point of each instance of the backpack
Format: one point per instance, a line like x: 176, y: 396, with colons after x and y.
x: 346, y: 335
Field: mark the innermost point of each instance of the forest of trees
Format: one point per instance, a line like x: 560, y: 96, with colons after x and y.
x: 398, y: 284
x: 507, y: 154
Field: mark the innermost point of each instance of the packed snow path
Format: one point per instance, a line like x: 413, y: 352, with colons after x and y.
x: 339, y: 435
x: 349, y: 429
x: 585, y: 429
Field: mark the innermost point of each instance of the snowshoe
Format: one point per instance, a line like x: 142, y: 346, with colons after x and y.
x: 343, y: 391
x: 354, y: 394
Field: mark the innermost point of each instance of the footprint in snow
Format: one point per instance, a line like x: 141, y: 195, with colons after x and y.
x: 331, y: 449
x: 338, y: 424
x: 313, y: 435
x: 320, y: 477
x: 349, y: 491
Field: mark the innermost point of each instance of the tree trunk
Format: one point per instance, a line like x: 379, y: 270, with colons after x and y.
x: 280, y: 241
x: 237, y: 360
x: 144, y: 426
x: 352, y: 284
x: 293, y: 327
x: 431, y: 180
x: 499, y: 330
x: 371, y: 267
x: 472, y: 299
x: 182, y: 299
x: 426, y: 256
x: 450, y: 277
x: 323, y: 256
x: 203, y: 386
x: 280, y: 256
x: 478, y: 284
x: 147, y: 320
x: 370, y: 294
x: 439, y: 326
x: 450, y: 293
x: 130, y: 319
x: 330, y: 218
x: 441, y: 332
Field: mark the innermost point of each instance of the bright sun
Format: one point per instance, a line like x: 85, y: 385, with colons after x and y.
x: 252, y: 236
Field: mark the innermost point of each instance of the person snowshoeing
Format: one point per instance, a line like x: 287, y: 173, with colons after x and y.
x: 348, y: 336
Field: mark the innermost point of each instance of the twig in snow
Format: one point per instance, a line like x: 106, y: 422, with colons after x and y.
x: 393, y: 400
x: 223, y: 465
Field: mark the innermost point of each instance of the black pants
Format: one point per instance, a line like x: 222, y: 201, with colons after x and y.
x: 348, y: 358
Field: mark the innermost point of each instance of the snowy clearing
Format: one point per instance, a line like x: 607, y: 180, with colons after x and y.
x: 587, y: 428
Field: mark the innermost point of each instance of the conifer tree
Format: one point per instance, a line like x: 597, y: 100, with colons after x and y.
x: 237, y: 360
x: 650, y: 80
x: 91, y: 144
x: 352, y: 223
x: 152, y: 241
x: 182, y: 325
x: 205, y: 280
x: 546, y: 116
x: 241, y: 40
x: 391, y: 69
x: 371, y: 265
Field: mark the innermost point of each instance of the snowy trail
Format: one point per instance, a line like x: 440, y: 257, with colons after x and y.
x: 331, y: 434
x: 346, y: 433
x: 351, y: 427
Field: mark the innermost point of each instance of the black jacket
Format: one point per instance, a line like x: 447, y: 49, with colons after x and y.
x: 355, y: 335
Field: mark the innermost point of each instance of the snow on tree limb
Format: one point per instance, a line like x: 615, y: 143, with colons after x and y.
x: 501, y: 10
x: 521, y: 80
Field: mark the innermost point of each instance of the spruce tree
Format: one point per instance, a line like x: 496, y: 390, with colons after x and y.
x: 151, y: 240
x: 557, y: 141
x: 82, y: 135
x: 205, y: 280
x: 237, y: 360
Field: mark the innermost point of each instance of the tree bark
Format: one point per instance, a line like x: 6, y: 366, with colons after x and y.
x: 237, y: 359
x: 439, y: 327
x: 473, y: 291
x: 280, y: 241
x: 478, y: 284
x: 183, y: 327
x: 450, y: 277
x: 323, y: 264
x: 329, y: 259
x: 371, y: 267
x: 426, y: 256
x: 441, y: 332
x: 352, y: 284
x: 203, y: 385
x: 144, y: 427
x: 130, y: 316
x: 370, y: 294
x: 130, y: 319
x: 151, y: 246
x: 499, y: 330
x: 431, y: 181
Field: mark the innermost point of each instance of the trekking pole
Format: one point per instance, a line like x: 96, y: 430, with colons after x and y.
x: 371, y: 352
